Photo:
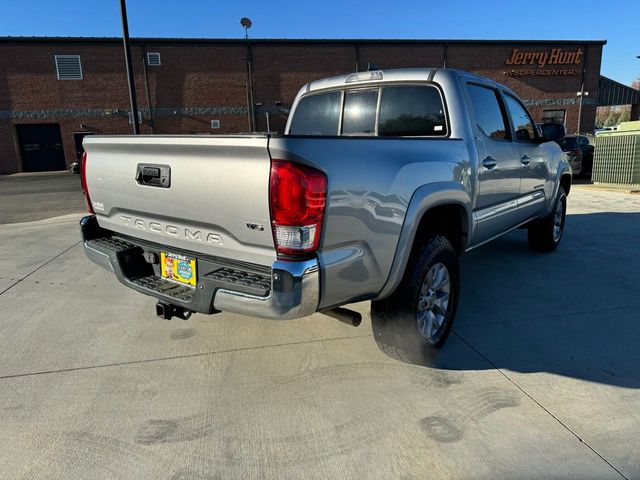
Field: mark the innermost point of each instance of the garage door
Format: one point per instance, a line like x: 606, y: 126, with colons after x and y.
x: 41, y: 147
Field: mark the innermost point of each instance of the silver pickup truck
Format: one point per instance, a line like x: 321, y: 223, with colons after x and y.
x: 381, y: 180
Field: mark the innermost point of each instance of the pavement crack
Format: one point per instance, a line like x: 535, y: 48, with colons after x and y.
x: 566, y: 427
x: 34, y: 271
x: 179, y: 357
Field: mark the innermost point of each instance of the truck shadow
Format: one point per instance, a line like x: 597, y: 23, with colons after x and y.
x: 575, y: 312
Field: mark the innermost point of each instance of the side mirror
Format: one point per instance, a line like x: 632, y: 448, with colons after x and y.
x: 523, y: 134
x: 75, y: 168
x: 553, y: 131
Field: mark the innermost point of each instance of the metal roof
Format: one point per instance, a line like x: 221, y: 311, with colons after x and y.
x: 612, y: 93
x: 333, y: 41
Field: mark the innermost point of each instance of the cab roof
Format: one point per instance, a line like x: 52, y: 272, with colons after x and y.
x: 394, y: 75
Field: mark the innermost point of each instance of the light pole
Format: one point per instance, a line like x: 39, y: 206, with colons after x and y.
x: 581, y: 94
x: 127, y: 60
x: 246, y: 24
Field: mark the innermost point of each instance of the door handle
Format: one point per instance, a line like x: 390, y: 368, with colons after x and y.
x: 525, y: 160
x: 489, y: 163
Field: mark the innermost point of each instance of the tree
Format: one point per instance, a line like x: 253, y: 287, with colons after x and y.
x: 612, y: 120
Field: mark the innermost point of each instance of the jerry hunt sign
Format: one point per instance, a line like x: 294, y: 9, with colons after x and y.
x: 556, y: 56
x: 542, y: 59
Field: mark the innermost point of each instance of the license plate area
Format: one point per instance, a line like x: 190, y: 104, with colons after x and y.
x: 178, y: 268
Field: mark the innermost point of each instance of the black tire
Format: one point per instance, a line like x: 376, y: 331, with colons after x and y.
x: 543, y: 236
x: 395, y: 320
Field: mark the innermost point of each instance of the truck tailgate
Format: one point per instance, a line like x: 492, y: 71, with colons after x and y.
x: 216, y: 202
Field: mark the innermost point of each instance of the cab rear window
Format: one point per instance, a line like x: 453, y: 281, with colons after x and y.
x: 359, y: 117
x: 411, y: 111
x: 317, y: 115
x: 401, y: 110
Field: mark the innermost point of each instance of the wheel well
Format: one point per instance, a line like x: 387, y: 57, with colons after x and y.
x: 565, y: 183
x: 448, y: 220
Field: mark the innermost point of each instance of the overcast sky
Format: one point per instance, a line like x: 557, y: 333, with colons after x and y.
x: 614, y: 21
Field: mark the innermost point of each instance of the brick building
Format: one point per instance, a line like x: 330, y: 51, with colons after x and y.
x: 53, y: 91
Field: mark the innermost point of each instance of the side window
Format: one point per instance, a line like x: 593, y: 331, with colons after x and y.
x: 360, y: 112
x: 524, y: 126
x: 317, y: 115
x: 411, y: 111
x: 488, y: 113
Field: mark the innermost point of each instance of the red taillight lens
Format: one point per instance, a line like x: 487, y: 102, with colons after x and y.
x: 298, y: 196
x: 83, y: 182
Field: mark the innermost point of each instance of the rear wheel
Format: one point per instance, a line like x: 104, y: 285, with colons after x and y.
x: 416, y: 320
x: 545, y: 234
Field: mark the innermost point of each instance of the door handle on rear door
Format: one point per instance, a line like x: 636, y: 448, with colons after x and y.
x: 525, y: 160
x: 489, y: 163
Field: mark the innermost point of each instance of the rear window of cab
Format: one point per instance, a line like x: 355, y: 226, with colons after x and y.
x: 391, y: 111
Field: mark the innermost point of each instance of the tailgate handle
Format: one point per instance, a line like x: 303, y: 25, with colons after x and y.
x: 153, y: 175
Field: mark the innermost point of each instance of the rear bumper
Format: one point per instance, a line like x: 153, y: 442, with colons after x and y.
x: 285, y: 291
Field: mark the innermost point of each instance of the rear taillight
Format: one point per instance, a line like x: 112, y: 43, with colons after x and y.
x: 298, y: 196
x: 83, y: 182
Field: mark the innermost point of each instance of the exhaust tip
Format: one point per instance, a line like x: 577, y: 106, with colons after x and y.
x: 344, y: 315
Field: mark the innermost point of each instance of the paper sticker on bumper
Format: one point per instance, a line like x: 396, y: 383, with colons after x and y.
x: 178, y: 268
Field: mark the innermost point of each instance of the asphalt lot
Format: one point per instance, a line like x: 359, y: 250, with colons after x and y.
x: 38, y: 196
x: 540, y: 379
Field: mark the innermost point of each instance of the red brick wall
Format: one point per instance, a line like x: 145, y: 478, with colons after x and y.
x: 213, y: 75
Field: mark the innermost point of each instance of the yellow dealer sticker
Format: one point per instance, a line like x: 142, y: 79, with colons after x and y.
x: 178, y: 268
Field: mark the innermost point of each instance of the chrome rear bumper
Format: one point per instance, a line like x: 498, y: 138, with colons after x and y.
x: 288, y: 290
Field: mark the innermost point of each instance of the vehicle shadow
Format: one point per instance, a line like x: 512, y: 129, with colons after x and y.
x: 575, y: 312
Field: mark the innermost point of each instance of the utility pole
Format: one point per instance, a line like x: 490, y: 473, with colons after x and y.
x: 127, y: 59
x: 581, y: 94
x: 246, y: 24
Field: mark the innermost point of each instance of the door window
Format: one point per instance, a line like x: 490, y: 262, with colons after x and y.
x: 489, y: 116
x: 522, y: 123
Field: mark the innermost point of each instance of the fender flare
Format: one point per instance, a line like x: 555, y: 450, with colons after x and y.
x: 424, y: 199
x: 563, y: 169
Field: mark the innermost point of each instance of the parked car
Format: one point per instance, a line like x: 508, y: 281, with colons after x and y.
x: 381, y: 181
x: 571, y: 147
x: 587, y: 154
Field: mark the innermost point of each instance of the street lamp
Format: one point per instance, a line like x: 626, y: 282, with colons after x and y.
x: 246, y: 24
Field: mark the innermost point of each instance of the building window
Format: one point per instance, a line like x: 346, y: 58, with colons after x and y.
x: 68, y: 67
x: 553, y: 116
x: 153, y: 59
x: 139, y: 117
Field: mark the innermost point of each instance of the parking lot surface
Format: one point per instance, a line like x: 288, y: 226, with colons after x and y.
x: 540, y: 378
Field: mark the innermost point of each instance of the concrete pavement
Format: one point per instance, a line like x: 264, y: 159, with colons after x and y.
x: 539, y: 379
